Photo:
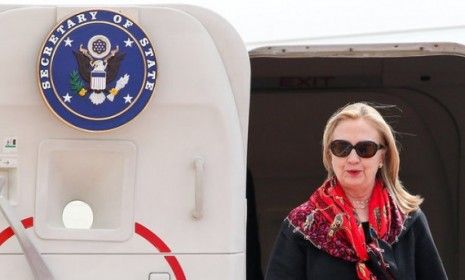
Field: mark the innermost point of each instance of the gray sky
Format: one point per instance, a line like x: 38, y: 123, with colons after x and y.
x: 279, y: 20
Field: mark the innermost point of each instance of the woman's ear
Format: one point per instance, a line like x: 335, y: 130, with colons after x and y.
x: 383, y: 153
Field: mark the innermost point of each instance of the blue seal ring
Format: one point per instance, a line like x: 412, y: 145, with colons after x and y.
x: 97, y: 70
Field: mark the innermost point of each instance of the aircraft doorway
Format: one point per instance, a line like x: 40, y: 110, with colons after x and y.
x: 294, y: 91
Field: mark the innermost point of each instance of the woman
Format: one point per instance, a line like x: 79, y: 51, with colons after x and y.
x: 361, y: 223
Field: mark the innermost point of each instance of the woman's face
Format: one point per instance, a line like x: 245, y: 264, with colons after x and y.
x: 354, y: 172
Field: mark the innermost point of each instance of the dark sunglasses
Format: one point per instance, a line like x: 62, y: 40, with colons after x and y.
x: 364, y: 149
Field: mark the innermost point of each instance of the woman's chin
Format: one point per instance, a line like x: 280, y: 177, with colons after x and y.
x: 353, y: 182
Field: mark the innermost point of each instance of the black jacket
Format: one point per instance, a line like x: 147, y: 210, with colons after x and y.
x: 414, y: 254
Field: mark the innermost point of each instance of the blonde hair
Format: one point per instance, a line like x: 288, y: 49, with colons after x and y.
x: 389, y: 173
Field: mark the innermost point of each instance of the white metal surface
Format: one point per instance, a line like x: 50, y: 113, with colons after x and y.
x: 194, y: 112
x: 36, y: 262
x: 360, y: 50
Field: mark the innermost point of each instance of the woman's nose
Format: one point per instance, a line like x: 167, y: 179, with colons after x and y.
x: 353, y: 157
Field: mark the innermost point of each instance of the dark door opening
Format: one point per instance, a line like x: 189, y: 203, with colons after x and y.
x: 291, y: 100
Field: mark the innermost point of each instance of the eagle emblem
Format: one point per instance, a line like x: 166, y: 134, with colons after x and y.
x: 97, y: 70
x: 98, y: 65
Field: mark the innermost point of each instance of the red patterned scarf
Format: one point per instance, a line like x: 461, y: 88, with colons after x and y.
x: 329, y: 221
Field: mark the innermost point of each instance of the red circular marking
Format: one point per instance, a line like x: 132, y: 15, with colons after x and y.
x: 8, y: 232
x: 144, y: 232
x: 163, y: 248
